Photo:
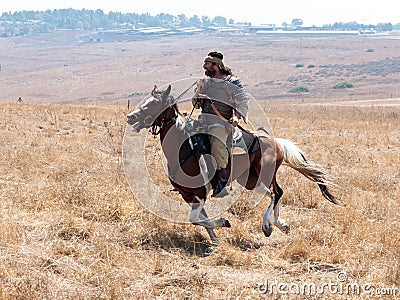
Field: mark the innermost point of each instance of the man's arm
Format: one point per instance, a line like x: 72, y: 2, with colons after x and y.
x: 241, y: 99
x: 197, y: 99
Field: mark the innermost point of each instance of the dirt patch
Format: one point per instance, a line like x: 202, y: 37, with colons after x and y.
x: 58, y: 68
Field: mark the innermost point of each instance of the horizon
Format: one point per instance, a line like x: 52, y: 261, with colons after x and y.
x: 309, y: 11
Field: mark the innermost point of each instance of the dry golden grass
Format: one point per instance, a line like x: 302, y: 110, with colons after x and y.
x: 71, y: 229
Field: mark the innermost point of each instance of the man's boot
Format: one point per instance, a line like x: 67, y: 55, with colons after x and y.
x: 221, y: 180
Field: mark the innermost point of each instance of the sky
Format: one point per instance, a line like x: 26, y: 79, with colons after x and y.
x: 312, y: 12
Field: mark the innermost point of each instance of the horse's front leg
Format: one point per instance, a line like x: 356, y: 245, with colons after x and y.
x: 198, y: 216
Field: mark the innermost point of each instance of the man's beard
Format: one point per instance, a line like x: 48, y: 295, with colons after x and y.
x: 209, y: 73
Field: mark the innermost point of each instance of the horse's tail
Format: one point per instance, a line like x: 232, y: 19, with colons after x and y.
x: 294, y: 157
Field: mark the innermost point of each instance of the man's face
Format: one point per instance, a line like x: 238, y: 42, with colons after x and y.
x: 209, y: 69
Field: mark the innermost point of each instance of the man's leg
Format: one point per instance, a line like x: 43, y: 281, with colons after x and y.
x: 218, y: 137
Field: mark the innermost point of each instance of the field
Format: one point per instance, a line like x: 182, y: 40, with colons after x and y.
x: 70, y: 227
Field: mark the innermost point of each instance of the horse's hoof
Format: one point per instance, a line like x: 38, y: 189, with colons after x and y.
x: 222, y: 222
x: 267, y: 230
x: 286, y: 229
x: 227, y: 224
x: 210, y: 250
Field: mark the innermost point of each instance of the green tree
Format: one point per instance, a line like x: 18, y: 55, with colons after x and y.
x: 166, y: 18
x: 183, y: 20
x: 206, y: 21
x: 195, y: 20
x: 297, y: 22
x: 384, y: 27
x: 219, y: 21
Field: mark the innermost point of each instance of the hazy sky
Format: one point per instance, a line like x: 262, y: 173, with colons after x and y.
x: 312, y: 12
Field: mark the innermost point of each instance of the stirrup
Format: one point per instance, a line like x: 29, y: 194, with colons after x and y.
x: 221, y: 180
x: 218, y: 192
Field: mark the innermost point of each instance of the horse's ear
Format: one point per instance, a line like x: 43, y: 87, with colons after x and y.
x: 166, y: 93
x: 154, y: 90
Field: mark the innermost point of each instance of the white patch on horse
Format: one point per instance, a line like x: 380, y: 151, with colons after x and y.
x: 278, y: 222
x: 181, y: 125
x: 204, y: 173
x: 267, y: 216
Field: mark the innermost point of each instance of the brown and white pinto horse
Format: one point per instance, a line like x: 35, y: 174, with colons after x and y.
x: 256, y: 170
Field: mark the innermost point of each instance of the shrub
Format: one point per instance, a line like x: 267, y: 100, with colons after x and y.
x: 343, y: 85
x: 135, y: 94
x: 299, y: 89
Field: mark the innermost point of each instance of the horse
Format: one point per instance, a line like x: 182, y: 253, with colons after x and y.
x: 255, y: 170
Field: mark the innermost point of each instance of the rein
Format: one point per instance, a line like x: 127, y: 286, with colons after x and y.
x: 155, y: 129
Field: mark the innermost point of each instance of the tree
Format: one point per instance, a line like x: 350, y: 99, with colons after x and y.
x: 384, y: 27
x: 297, y: 22
x: 220, y: 21
x: 195, y: 20
x: 166, y: 18
x: 206, y: 21
x: 183, y: 20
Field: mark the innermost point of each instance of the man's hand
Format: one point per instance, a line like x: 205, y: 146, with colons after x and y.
x: 197, y: 102
x: 234, y: 121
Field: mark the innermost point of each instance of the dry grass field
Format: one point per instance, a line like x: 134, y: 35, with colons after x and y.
x: 70, y: 227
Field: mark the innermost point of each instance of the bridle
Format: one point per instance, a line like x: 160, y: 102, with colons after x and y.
x: 156, y: 129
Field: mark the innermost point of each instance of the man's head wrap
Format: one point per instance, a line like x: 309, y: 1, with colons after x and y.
x: 215, y: 57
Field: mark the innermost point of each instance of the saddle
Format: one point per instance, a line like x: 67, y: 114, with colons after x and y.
x: 244, y: 142
x: 240, y: 142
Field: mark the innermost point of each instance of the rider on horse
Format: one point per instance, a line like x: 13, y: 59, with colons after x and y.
x: 223, y: 101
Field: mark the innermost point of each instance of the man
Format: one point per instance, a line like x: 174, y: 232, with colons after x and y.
x: 223, y: 101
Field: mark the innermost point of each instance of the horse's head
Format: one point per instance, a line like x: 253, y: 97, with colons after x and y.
x: 149, y: 113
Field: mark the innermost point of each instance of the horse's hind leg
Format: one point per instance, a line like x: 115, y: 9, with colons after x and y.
x: 270, y: 161
x: 280, y: 223
x: 274, y: 207
x: 267, y: 221
x: 266, y: 174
